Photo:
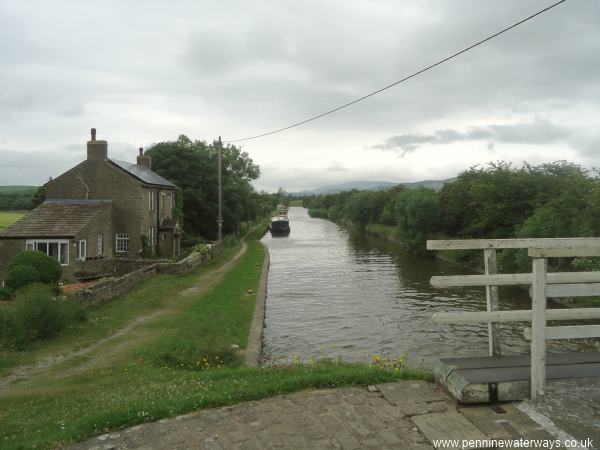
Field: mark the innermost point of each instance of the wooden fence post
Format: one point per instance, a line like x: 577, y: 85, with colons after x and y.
x: 538, y: 328
x: 491, y: 295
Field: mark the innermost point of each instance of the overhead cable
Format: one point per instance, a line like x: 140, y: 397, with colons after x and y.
x: 395, y: 83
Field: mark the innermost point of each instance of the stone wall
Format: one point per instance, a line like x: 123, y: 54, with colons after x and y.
x: 108, y: 288
x: 116, y: 267
x: 186, y: 265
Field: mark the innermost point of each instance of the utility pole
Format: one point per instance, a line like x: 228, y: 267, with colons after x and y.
x: 220, y: 220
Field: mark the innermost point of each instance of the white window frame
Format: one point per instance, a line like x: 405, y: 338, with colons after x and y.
x: 122, y: 238
x: 99, y: 244
x: 81, y: 250
x: 32, y: 244
x: 151, y: 200
x: 152, y: 236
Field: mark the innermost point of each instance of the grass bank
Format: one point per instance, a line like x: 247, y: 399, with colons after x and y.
x: 176, y: 360
x: 9, y: 217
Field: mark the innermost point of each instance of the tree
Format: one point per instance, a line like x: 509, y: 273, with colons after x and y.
x: 39, y: 197
x: 192, y: 166
x: 418, y: 217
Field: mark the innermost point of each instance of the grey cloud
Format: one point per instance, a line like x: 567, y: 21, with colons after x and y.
x: 290, y: 60
x: 407, y: 142
x: 37, y: 166
x: 526, y: 69
x: 336, y: 166
x: 239, y: 68
x: 537, y: 132
x: 34, y: 167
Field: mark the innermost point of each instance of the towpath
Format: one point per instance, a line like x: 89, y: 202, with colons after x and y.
x: 122, y: 339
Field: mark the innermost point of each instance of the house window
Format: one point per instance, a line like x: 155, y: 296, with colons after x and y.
x: 63, y: 253
x: 152, y: 236
x: 122, y: 241
x: 100, y: 244
x: 151, y: 200
x: 58, y: 249
x: 81, y: 250
x: 53, y: 249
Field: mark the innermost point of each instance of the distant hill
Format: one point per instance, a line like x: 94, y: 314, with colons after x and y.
x: 370, y: 185
x: 18, y: 189
x: 436, y: 185
x: 359, y: 185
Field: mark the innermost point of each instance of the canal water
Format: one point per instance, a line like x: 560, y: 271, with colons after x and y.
x: 335, y: 293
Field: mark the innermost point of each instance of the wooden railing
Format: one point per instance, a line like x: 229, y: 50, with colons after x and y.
x: 543, y: 285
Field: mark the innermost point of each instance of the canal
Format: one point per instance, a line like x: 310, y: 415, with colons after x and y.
x: 336, y: 293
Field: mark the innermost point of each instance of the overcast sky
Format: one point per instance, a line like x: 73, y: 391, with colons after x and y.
x: 147, y: 71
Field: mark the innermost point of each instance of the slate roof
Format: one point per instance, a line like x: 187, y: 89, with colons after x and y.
x: 142, y: 173
x: 56, y: 219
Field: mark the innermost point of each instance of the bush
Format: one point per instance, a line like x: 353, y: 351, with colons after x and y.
x: 320, y: 213
x: 147, y: 248
x: 29, y: 267
x: 35, y: 315
x: 418, y: 217
x: 19, y: 276
x: 203, y: 249
x: 189, y: 240
x: 4, y: 293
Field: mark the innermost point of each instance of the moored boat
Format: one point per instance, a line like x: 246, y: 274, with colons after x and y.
x: 280, y: 225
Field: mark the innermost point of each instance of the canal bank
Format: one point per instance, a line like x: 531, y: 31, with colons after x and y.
x: 342, y: 294
x: 254, y: 348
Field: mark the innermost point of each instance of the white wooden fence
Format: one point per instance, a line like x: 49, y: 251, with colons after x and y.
x: 543, y: 285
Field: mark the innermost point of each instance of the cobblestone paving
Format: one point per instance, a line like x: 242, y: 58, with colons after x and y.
x: 349, y: 418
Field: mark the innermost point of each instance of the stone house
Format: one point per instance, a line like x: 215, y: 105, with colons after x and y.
x: 97, y: 214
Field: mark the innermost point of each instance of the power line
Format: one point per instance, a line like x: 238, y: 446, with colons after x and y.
x: 441, y: 61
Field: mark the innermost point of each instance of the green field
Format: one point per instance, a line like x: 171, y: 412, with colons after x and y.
x: 9, y: 217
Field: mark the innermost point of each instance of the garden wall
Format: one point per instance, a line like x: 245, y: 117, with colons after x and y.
x: 108, y: 288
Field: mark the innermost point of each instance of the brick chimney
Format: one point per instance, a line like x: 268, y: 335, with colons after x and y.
x: 144, y: 160
x: 96, y: 150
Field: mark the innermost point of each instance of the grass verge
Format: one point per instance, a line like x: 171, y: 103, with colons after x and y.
x: 177, y: 361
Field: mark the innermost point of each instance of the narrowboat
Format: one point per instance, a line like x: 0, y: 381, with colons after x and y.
x: 280, y: 226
